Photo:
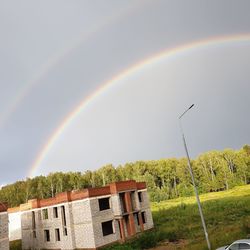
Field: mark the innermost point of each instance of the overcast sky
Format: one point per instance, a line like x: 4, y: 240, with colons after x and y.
x: 55, y: 54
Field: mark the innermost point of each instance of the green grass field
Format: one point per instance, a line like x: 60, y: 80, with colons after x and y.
x: 227, y: 216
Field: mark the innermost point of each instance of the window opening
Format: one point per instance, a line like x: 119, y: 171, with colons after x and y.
x: 64, y: 220
x: 107, y: 228
x: 143, y: 215
x: 46, y: 235
x: 57, y: 232
x: 45, y: 214
x: 104, y: 204
x: 140, y: 196
x: 55, y: 212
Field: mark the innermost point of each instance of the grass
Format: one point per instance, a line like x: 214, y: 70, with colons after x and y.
x: 227, y: 216
x: 16, y: 245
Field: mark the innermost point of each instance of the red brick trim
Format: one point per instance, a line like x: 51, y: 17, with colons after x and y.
x: 132, y: 224
x: 141, y: 222
x: 122, y: 230
x: 141, y: 185
x: 122, y: 186
x: 112, y: 188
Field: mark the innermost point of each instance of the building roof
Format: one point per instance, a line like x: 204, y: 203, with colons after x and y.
x: 74, y: 195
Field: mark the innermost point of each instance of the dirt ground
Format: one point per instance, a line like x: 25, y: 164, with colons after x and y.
x: 170, y: 245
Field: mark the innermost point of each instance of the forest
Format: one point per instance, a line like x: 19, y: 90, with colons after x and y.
x: 166, y: 178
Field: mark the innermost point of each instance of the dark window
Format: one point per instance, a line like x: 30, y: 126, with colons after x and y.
x: 107, y: 228
x: 140, y: 196
x: 45, y: 214
x: 55, y: 212
x: 64, y: 220
x: 122, y: 202
x: 57, y: 232
x: 137, y: 219
x: 63, y: 215
x: 132, y: 198
x: 33, y: 221
x: 46, y: 235
x: 104, y: 204
x: 143, y: 215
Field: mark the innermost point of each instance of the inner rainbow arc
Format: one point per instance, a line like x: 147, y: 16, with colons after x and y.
x: 165, y: 54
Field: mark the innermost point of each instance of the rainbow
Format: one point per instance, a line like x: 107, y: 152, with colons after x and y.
x: 165, y: 54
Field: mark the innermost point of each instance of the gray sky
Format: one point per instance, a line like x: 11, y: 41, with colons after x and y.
x: 55, y: 54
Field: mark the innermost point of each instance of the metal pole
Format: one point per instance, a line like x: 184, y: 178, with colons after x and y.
x: 193, y: 180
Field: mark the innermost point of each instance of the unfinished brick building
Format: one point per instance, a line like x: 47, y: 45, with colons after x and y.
x: 4, y: 225
x: 86, y: 219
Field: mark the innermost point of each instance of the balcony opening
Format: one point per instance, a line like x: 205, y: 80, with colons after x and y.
x: 127, y: 226
x: 122, y: 202
x: 132, y: 198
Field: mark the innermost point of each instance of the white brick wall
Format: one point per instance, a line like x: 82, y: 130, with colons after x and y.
x: 149, y: 220
x: 84, y: 223
x: 116, y: 205
x: 15, y: 232
x: 145, y: 207
x: 4, y: 232
x: 102, y: 216
x: 51, y: 224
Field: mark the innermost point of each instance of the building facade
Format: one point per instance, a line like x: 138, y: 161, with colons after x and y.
x: 4, y: 227
x: 15, y: 231
x: 86, y: 219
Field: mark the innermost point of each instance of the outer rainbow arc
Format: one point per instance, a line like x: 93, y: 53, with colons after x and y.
x: 127, y: 72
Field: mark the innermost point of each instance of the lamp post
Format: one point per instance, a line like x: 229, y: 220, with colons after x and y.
x: 192, y: 177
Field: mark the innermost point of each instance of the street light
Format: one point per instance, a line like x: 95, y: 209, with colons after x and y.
x: 192, y: 176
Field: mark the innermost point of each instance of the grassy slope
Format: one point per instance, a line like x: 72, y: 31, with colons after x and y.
x: 227, y: 215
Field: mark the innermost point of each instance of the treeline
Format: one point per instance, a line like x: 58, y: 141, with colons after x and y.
x: 166, y: 178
